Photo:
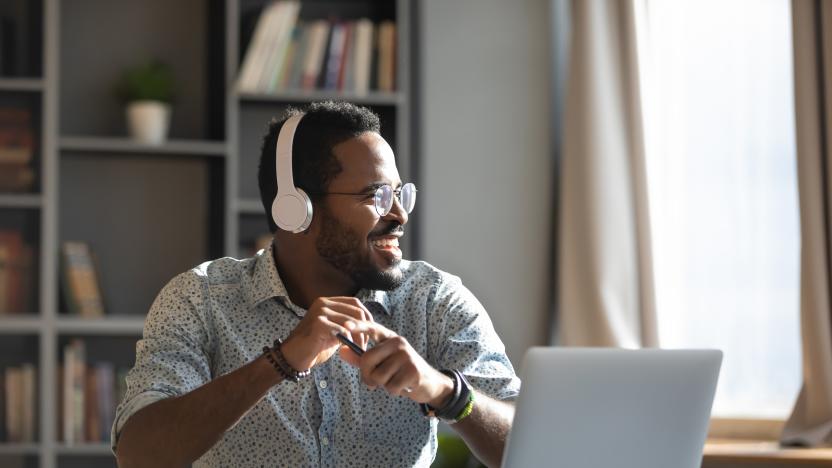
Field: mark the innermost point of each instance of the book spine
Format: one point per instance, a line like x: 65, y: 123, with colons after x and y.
x: 82, y: 280
x: 387, y: 59
x: 29, y: 406
x: 78, y: 380
x: 296, y: 77
x: 315, y: 55
x: 14, y: 403
x: 347, y: 56
x: 106, y: 401
x: 250, y: 68
x: 280, y: 47
x: 68, y: 406
x: 363, y: 56
x: 91, y: 399
x: 336, y: 54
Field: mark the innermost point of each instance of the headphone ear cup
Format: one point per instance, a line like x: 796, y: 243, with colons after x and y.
x: 308, y: 204
x: 292, y: 211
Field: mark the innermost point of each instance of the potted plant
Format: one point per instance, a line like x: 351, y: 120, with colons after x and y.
x: 148, y: 91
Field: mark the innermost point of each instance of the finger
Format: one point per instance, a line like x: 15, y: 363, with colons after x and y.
x: 379, y: 333
x: 350, y: 306
x: 378, y: 354
x: 382, y: 374
x: 352, y: 325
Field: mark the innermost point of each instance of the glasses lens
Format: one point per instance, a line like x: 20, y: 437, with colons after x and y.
x: 384, y: 200
x: 408, y: 197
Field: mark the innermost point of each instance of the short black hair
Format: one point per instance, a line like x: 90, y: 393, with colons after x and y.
x: 324, y: 125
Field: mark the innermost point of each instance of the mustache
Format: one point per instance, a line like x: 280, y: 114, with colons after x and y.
x: 393, y: 228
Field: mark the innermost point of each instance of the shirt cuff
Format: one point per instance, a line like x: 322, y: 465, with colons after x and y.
x: 130, y: 408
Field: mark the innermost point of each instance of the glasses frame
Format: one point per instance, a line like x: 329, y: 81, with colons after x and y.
x: 377, y: 195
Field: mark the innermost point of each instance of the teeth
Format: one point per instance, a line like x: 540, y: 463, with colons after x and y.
x: 386, y: 242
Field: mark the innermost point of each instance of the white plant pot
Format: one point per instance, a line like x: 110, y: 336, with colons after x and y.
x: 148, y: 121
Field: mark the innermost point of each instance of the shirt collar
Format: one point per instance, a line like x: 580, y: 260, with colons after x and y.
x: 266, y: 283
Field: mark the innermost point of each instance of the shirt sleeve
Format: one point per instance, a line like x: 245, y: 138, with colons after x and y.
x: 173, y: 356
x: 464, y: 339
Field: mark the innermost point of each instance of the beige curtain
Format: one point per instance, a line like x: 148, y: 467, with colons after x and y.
x: 605, y: 285
x: 811, y: 420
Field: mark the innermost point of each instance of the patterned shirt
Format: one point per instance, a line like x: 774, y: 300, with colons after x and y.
x: 217, y: 317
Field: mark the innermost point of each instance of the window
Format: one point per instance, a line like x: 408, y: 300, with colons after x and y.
x: 721, y: 165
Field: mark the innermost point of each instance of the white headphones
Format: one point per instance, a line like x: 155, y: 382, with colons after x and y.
x: 292, y: 208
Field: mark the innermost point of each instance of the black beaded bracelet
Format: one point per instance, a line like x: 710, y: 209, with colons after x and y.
x: 275, y: 356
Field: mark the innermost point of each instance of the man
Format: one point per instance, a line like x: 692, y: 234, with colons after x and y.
x: 208, y: 388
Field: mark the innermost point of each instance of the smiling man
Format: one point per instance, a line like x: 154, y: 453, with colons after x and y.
x: 242, y: 362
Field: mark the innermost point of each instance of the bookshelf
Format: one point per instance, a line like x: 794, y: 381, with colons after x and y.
x: 148, y: 212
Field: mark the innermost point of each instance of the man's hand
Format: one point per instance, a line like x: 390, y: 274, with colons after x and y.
x: 394, y: 365
x: 313, y: 340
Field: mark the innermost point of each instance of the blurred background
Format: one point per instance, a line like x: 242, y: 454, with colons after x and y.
x: 598, y: 173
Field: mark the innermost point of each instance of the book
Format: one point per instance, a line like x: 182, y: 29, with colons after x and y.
x: 282, y: 79
x: 92, y: 429
x: 105, y: 380
x: 386, y: 56
x: 73, y: 391
x: 17, y: 140
x: 254, y: 59
x: 315, y: 54
x: 346, y: 55
x: 281, y: 35
x: 14, y: 266
x: 14, y: 404
x: 80, y: 280
x: 28, y: 387
x: 16, y: 178
x: 296, y: 73
x: 363, y: 51
x: 337, y: 41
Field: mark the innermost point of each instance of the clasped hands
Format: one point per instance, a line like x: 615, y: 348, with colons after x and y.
x: 391, y: 364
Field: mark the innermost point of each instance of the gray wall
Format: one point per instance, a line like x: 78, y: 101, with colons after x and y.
x: 487, y: 160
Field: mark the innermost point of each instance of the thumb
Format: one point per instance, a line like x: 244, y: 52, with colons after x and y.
x: 379, y: 333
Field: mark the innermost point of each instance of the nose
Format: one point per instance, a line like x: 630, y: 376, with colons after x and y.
x: 397, y: 212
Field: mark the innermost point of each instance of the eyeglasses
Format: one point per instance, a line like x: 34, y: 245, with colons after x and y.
x: 383, y: 197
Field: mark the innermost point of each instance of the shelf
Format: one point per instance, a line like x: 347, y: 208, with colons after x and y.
x: 85, y: 448
x: 250, y: 206
x: 373, y: 98
x: 125, y: 145
x: 21, y: 84
x: 11, y: 200
x: 20, y: 323
x: 111, y: 325
x: 13, y: 448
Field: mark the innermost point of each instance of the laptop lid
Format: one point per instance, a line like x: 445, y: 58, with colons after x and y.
x: 588, y: 407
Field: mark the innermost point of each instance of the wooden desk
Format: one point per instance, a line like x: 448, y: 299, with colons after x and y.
x: 724, y: 453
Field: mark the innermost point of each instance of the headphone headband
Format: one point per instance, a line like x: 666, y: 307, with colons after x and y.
x: 283, y: 165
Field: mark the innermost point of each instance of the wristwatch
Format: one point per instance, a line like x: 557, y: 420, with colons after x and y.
x: 459, y: 406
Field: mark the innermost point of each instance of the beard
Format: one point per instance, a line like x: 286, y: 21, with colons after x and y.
x: 347, y: 252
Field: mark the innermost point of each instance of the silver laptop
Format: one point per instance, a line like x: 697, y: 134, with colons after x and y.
x: 599, y: 408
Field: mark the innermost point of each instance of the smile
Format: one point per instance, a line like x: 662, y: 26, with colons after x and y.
x: 386, y: 243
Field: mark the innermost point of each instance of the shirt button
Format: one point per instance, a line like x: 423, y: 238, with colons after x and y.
x: 324, y: 441
x: 323, y: 384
